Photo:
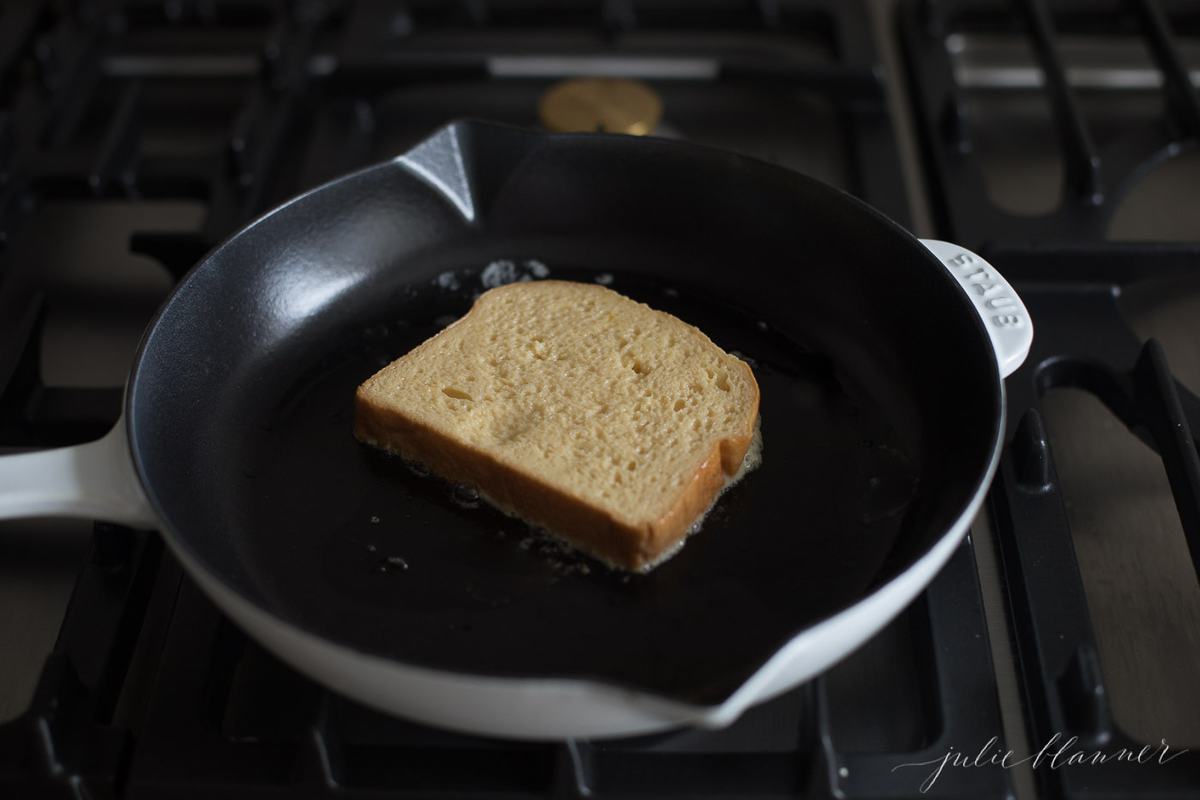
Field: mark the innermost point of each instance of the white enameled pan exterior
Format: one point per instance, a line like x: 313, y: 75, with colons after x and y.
x: 97, y: 480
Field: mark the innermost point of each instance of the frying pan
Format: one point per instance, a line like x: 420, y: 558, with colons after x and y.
x: 880, y: 359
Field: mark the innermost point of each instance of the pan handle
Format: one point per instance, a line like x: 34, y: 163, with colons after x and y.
x: 1000, y: 308
x: 94, y: 480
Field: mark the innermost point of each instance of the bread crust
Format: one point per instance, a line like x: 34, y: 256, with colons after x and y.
x: 587, y: 526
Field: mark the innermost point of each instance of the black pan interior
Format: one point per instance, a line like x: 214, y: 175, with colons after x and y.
x: 880, y: 407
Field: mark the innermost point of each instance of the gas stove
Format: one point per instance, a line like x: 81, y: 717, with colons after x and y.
x: 1051, y: 137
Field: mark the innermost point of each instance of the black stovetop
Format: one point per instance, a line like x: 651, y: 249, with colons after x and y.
x: 135, y: 135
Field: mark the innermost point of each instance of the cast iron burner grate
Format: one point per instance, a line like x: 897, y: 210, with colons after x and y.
x: 1100, y: 160
x: 1084, y: 342
x: 1070, y: 279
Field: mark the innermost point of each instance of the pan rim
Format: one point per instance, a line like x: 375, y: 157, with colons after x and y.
x: 955, y: 529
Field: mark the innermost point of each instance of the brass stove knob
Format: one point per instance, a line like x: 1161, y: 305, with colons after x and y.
x: 609, y: 105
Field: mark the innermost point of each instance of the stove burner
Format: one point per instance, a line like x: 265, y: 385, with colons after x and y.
x: 164, y: 126
x: 1037, y: 122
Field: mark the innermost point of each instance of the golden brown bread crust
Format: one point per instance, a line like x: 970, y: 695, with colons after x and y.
x: 587, y: 527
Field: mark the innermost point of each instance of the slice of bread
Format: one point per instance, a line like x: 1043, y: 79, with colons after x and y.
x: 610, y: 424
